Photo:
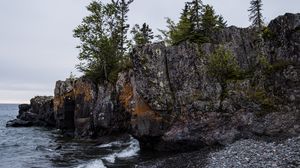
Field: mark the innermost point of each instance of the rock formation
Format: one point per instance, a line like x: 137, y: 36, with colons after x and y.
x: 169, y: 100
x: 38, y: 113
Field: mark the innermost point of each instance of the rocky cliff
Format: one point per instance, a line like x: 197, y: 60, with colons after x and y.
x: 169, y: 100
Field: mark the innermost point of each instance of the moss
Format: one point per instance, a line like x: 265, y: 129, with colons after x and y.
x: 267, y: 34
x: 266, y: 102
x: 278, y: 66
x: 263, y: 62
x: 223, y: 65
x: 143, y: 60
x: 196, y: 95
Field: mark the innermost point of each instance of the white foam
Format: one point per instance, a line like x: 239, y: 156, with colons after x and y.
x: 130, y: 151
x: 112, y: 144
x: 111, y: 158
x: 94, y: 164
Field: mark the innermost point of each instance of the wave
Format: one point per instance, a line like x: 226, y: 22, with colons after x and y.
x: 132, y: 147
x: 94, y: 164
x: 112, y: 144
x: 130, y: 151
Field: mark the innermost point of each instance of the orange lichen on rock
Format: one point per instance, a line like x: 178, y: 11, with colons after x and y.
x: 84, y: 89
x: 59, y: 100
x: 126, y: 95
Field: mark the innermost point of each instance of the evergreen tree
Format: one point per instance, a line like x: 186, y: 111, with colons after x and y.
x: 197, y: 24
x: 223, y: 66
x: 256, y: 14
x: 122, y: 8
x: 102, y: 33
x: 171, y: 26
x: 211, y: 22
x: 142, y: 35
x: 184, y: 28
x: 221, y: 22
x: 195, y: 7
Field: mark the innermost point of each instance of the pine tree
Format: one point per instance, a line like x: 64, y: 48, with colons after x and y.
x: 184, y: 28
x: 256, y: 14
x: 122, y: 9
x: 142, y: 35
x: 196, y: 7
x: 221, y: 22
x: 211, y: 22
x: 103, y: 35
x: 197, y: 24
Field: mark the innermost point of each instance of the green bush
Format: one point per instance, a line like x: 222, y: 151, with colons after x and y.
x: 223, y: 65
x: 267, y: 34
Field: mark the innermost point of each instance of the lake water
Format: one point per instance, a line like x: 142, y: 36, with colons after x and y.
x: 36, y: 147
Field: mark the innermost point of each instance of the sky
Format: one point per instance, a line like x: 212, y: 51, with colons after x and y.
x: 37, y: 47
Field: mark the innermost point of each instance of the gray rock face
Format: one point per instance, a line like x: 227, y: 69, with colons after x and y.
x: 184, y: 102
x: 151, y: 76
x: 283, y: 42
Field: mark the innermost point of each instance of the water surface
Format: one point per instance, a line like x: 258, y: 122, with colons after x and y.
x: 36, y: 147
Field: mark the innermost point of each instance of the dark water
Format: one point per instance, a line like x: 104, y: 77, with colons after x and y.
x: 36, y: 148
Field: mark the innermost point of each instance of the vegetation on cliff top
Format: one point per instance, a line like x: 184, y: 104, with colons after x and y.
x: 197, y: 24
x: 105, y: 47
x: 103, y: 36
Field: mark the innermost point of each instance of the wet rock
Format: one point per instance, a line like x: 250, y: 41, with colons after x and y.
x: 19, y: 123
x: 38, y: 113
x: 24, y: 108
x: 43, y: 107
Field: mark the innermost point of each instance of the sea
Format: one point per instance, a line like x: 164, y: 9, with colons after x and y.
x: 36, y: 147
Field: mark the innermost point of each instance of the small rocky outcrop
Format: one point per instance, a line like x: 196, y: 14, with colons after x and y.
x: 38, y: 113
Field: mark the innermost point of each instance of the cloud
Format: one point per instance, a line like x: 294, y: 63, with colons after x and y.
x: 37, y: 47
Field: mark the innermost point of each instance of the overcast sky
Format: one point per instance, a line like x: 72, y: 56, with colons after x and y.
x: 37, y: 47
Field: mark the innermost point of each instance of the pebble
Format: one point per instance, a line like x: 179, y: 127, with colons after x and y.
x: 252, y: 153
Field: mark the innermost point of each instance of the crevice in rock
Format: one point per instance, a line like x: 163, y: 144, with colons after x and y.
x: 69, y: 106
x: 175, y: 109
